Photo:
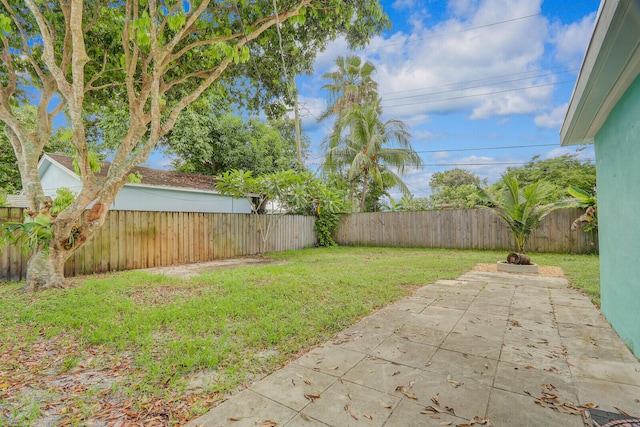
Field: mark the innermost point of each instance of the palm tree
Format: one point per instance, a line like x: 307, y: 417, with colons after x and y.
x: 373, y: 148
x: 519, y: 208
x: 350, y: 85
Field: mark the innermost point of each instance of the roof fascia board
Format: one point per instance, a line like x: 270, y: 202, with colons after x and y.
x: 59, y: 165
x: 603, y: 77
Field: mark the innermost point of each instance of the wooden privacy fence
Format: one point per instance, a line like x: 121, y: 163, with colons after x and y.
x: 132, y: 239
x: 460, y: 229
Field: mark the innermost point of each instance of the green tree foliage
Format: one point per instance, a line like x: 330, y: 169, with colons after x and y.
x: 290, y: 192
x: 137, y: 65
x: 455, y: 188
x: 558, y: 174
x: 26, y: 115
x: 520, y: 208
x: 409, y: 202
x: 211, y: 145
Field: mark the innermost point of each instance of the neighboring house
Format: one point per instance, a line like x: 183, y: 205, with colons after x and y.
x: 605, y: 110
x: 157, y: 190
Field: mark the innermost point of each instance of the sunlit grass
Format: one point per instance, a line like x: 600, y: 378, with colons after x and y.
x: 239, y: 323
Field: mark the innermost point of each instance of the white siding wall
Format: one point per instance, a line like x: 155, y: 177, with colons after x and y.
x: 53, y: 177
x: 138, y: 198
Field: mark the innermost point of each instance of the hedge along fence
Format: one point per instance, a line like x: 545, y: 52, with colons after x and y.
x: 134, y: 239
x: 461, y: 229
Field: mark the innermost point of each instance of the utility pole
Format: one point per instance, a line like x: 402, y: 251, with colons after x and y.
x: 297, y: 121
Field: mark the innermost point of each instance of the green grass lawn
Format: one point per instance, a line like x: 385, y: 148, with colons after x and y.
x: 145, y: 335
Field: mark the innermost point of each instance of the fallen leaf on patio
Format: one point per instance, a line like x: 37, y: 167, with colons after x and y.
x: 446, y: 423
x: 268, y: 423
x: 305, y: 379
x: 450, y: 409
x: 333, y: 368
x: 305, y: 416
x: 528, y: 367
x: 480, y: 421
x: 395, y: 373
x: 340, y: 381
x: 411, y: 383
x: 234, y: 419
x: 350, y: 411
x: 434, y: 409
x: 590, y: 405
x: 464, y: 425
x: 368, y: 417
x: 385, y: 405
x: 402, y: 389
x: 434, y: 399
x: 452, y: 383
x: 515, y: 323
x: 312, y: 397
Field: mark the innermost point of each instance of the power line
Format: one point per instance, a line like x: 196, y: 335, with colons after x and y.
x: 478, y: 94
x: 492, y: 24
x: 488, y: 148
x: 482, y: 85
x: 505, y: 147
x: 486, y: 78
x: 448, y: 164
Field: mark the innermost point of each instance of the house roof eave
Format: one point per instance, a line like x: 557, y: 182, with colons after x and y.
x: 610, y: 65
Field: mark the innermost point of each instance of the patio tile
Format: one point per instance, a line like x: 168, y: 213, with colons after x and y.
x: 467, y: 398
x: 408, y: 414
x: 521, y: 379
x: 476, y: 345
x: 460, y: 367
x: 440, y: 318
x: 609, y: 396
x: 419, y: 334
x: 289, y: 385
x: 330, y: 361
x: 246, y: 409
x: 404, y: 352
x: 381, y: 375
x: 580, y: 316
x: 512, y: 409
x: 606, y: 370
x: 337, y: 404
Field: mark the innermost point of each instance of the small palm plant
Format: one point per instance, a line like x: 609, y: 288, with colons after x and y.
x: 519, y: 208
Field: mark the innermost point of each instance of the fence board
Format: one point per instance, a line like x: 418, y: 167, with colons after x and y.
x: 134, y: 239
x: 460, y: 229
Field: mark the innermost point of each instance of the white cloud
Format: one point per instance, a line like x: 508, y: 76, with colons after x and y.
x: 425, y: 71
x: 571, y: 40
x: 404, y: 4
x: 552, y: 119
x: 582, y: 153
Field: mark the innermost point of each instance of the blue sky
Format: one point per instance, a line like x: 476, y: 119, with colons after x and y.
x: 469, y: 77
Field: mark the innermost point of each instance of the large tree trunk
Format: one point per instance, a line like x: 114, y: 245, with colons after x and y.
x: 46, y: 270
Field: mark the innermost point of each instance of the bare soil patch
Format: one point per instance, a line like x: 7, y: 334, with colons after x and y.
x: 543, y: 270
x: 191, y: 270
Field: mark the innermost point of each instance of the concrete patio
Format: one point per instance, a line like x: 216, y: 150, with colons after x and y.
x: 491, y: 348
